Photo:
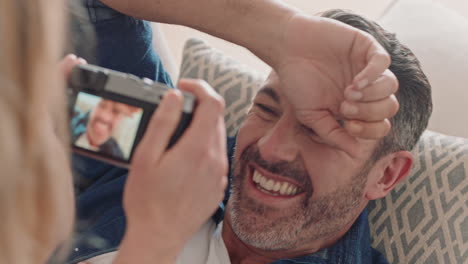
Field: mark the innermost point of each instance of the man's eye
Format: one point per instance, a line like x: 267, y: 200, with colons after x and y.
x: 312, y: 135
x: 309, y: 131
x: 266, y: 109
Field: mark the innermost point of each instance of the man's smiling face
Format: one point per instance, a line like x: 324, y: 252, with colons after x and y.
x: 289, y: 188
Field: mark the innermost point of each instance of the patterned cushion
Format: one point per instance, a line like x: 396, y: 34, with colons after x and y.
x: 235, y: 82
x: 423, y: 220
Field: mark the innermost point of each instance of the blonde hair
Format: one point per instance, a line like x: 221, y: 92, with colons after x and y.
x: 35, y: 181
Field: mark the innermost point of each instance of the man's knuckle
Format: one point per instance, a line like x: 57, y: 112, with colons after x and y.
x: 394, y: 105
x: 384, y: 128
x: 385, y: 58
x: 394, y: 83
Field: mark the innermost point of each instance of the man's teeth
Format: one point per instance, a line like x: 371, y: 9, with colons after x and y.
x: 274, y: 187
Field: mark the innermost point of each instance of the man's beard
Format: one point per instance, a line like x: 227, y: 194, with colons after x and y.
x: 308, y: 221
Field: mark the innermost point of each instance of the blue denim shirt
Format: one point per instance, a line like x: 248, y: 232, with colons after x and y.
x: 125, y: 44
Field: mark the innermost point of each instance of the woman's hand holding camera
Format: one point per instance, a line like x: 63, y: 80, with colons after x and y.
x: 169, y: 194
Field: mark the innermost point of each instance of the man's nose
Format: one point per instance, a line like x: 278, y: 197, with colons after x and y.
x: 279, y: 143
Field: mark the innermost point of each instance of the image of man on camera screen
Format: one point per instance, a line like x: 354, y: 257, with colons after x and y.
x: 95, y: 129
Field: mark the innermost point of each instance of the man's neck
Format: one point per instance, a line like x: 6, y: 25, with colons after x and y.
x: 242, y: 253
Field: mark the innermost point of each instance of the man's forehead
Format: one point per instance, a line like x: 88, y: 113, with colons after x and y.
x: 272, y: 80
x: 270, y: 92
x: 270, y: 87
x: 106, y: 102
x: 114, y: 104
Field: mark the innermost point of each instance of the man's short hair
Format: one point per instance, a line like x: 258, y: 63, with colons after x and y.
x: 414, y: 94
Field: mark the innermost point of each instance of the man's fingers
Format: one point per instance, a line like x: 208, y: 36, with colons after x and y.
x: 383, y: 87
x: 368, y: 130
x: 330, y: 131
x: 372, y: 111
x: 378, y: 61
x: 161, y: 127
x: 333, y: 134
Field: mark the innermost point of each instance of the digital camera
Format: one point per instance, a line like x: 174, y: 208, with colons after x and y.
x: 110, y: 111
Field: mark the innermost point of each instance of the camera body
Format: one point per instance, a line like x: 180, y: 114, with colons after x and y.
x: 110, y: 112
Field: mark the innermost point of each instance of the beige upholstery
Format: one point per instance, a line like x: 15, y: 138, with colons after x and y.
x: 439, y: 38
x: 162, y: 48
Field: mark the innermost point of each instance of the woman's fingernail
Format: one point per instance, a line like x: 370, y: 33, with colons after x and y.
x: 354, y: 95
x: 362, y: 84
x: 349, y: 109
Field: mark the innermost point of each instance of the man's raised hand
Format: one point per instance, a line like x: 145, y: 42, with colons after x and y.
x: 333, y: 72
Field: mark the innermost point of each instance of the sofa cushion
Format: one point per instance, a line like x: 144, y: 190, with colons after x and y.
x: 232, y: 80
x: 425, y: 218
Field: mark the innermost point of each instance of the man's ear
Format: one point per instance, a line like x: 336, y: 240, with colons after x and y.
x: 387, y: 173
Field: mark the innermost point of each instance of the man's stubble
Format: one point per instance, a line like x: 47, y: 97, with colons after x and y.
x: 312, y: 219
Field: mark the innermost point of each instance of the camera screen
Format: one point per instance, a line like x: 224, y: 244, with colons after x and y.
x: 105, y: 126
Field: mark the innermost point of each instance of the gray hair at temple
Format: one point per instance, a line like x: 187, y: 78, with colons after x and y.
x: 414, y: 94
